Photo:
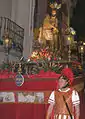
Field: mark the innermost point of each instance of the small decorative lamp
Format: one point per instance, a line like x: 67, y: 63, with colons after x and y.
x: 7, y: 45
x: 81, y: 51
x: 69, y: 38
x: 6, y: 42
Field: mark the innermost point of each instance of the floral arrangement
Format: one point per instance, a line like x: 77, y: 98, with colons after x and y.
x: 45, y: 60
x: 42, y: 54
x: 52, y: 61
x: 45, y: 54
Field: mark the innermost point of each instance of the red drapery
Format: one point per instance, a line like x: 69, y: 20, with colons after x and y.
x: 28, y: 85
x: 41, y: 81
x: 27, y: 111
x: 23, y: 111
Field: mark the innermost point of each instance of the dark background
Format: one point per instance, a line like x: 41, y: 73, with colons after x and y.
x: 78, y: 20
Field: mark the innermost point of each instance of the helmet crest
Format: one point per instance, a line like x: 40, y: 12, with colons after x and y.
x: 67, y: 72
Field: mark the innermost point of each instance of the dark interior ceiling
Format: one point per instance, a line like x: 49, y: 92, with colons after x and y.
x: 78, y: 19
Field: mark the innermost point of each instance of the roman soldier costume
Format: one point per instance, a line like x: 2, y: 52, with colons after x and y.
x: 64, y: 100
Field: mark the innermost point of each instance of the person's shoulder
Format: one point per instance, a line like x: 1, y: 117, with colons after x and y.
x: 52, y: 93
x: 72, y: 89
x: 74, y: 92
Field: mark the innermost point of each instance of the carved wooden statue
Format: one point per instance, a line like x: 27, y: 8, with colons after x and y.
x: 48, y: 34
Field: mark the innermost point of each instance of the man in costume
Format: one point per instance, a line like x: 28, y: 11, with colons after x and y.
x: 64, y: 102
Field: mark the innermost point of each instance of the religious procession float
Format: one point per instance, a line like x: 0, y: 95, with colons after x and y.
x: 54, y: 47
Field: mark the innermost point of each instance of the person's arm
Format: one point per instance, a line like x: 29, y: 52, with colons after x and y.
x: 49, y: 111
x: 76, y: 104
x: 51, y: 101
x: 77, y: 111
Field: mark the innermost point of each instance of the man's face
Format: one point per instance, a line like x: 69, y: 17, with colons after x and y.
x: 62, y: 82
x: 53, y: 12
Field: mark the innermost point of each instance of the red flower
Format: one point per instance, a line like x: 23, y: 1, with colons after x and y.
x: 55, y: 58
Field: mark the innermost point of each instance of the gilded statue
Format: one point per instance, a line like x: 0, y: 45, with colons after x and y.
x: 48, y: 35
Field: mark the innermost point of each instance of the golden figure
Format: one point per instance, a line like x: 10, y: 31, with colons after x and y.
x: 48, y: 35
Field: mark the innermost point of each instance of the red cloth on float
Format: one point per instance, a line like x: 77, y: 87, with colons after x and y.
x: 42, y: 81
x: 43, y: 74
